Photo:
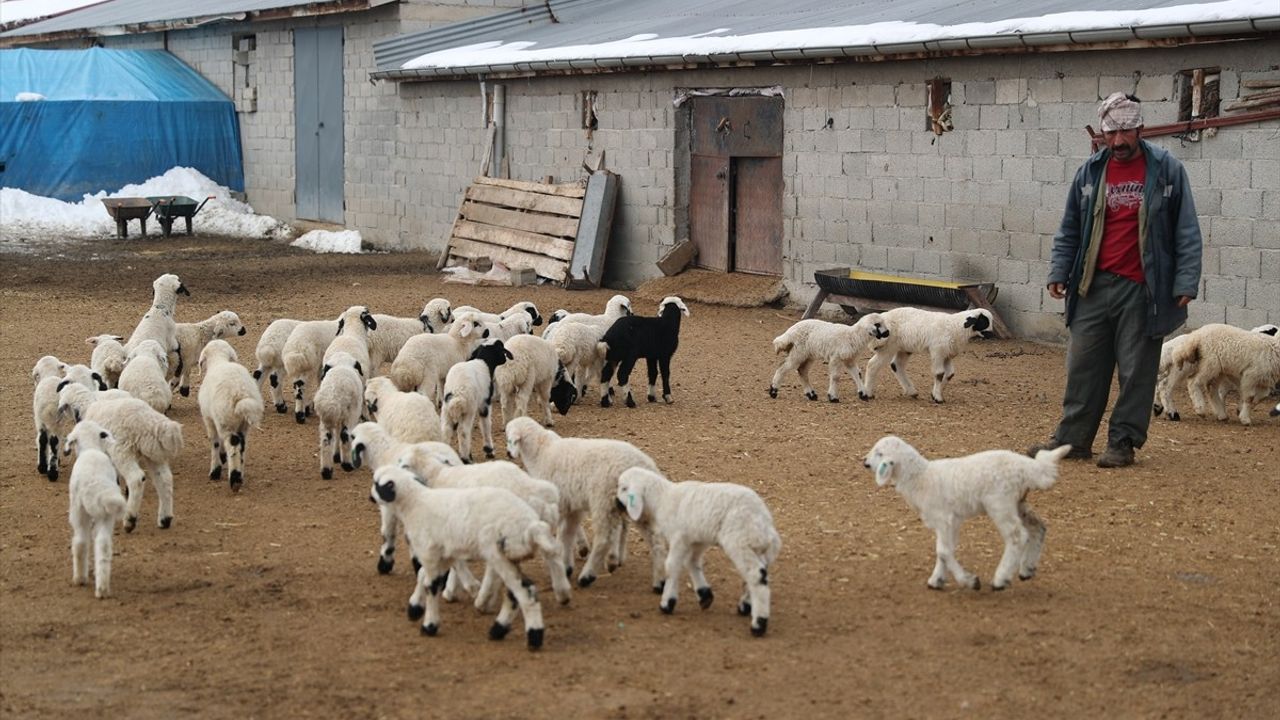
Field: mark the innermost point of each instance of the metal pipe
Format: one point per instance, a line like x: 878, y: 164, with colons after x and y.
x: 499, y: 134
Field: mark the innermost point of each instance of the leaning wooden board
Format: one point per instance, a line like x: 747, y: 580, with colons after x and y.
x: 518, y: 223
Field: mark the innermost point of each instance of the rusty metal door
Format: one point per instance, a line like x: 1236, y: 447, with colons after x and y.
x: 756, y: 238
x: 709, y: 211
x: 735, y: 203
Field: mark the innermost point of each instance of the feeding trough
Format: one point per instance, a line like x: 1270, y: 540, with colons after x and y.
x: 858, y: 292
x: 171, y: 207
x: 124, y: 209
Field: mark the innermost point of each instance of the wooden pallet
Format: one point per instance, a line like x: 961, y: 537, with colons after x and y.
x: 518, y: 223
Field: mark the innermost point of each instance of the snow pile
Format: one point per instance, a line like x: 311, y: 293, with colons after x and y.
x: 23, y: 212
x: 324, y: 241
x: 12, y: 11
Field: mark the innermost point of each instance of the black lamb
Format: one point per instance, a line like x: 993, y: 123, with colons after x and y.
x: 653, y: 338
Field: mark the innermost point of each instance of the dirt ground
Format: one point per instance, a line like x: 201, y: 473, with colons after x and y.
x: 1156, y: 595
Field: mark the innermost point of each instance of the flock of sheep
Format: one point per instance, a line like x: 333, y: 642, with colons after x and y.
x: 412, y: 425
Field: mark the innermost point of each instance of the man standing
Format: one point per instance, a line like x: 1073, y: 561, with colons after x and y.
x: 1127, y: 260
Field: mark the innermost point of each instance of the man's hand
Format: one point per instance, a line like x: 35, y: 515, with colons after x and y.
x: 1184, y: 301
x: 1059, y: 290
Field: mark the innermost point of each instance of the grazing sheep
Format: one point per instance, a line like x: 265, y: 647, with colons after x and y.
x: 354, y: 327
x: 692, y: 517
x: 146, y: 444
x: 580, y: 350
x: 339, y: 403
x: 1170, y: 376
x: 303, y: 354
x: 1222, y: 353
x: 425, y: 360
x: 533, y: 373
x: 586, y: 471
x: 524, y: 307
x: 159, y: 322
x: 50, y: 424
x: 840, y: 346
x: 410, y: 416
x: 145, y: 376
x: 942, y: 335
x: 947, y: 492
x: 654, y: 339
x: 393, y: 332
x: 108, y: 357
x: 192, y: 337
x: 468, y: 398
x: 96, y: 505
x: 380, y: 446
x: 452, y: 525
x: 271, y: 360
x: 230, y: 404
x: 542, y: 496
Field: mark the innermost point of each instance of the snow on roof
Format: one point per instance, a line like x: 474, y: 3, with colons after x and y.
x: 138, y: 15
x: 583, y: 35
x: 16, y: 11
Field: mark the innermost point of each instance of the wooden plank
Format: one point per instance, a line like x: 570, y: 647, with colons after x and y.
x: 518, y: 239
x: 529, y: 222
x: 546, y: 267
x: 521, y: 200
x: 572, y: 190
x: 587, y: 267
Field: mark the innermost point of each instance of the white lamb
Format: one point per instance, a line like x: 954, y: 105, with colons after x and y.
x: 1170, y: 377
x: 355, y: 325
x: 393, y: 332
x: 586, y: 472
x: 270, y: 354
x: 947, y: 492
x: 159, y: 323
x: 468, y: 398
x: 450, y: 525
x: 96, y: 505
x: 48, y: 366
x: 581, y: 351
x: 108, y: 357
x: 146, y: 444
x: 339, y: 402
x: 192, y: 337
x: 510, y: 326
x: 424, y: 361
x: 529, y: 375
x: 840, y: 346
x: 692, y: 517
x: 410, y: 415
x: 942, y: 335
x: 145, y: 376
x: 230, y: 404
x: 618, y: 306
x: 522, y: 308
x: 1226, y: 354
x: 50, y: 424
x: 542, y: 496
x: 303, y: 354
x: 375, y: 445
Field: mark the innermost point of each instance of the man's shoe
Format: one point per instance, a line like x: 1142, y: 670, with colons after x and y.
x: 1118, y: 455
x: 1076, y: 453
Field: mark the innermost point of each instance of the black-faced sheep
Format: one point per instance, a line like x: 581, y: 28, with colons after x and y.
x: 653, y: 338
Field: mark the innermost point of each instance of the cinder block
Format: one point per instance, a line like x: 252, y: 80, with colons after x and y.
x: 1263, y: 294
x: 1229, y: 232
x: 1243, y: 262
x: 1011, y: 142
x: 1080, y: 88
x: 1045, y: 90
x: 926, y: 262
x: 993, y: 117
x: 978, y: 92
x: 1265, y: 173
x: 1241, y: 203
x: 900, y: 259
x: 1224, y: 290
x: 1010, y: 91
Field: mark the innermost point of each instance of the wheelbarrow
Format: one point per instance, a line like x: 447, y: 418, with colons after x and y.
x: 124, y: 209
x: 171, y: 207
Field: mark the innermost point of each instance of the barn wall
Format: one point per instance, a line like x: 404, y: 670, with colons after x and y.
x: 876, y: 189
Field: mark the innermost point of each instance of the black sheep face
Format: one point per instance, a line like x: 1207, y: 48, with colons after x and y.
x: 493, y: 354
x: 533, y: 314
x: 980, y: 324
x: 563, y: 395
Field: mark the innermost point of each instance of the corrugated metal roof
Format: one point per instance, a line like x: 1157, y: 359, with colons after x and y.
x: 573, y: 24
x: 127, y: 13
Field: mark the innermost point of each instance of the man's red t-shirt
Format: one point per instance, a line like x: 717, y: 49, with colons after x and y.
x: 1119, y: 253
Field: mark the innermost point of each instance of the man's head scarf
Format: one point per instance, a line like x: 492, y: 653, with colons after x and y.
x: 1118, y: 112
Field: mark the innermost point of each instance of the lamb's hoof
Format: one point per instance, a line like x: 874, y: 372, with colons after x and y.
x: 488, y: 452
x: 759, y: 627
x: 348, y: 467
x: 236, y: 480
x: 811, y: 394
x: 1157, y: 410
x: 651, y: 398
x: 42, y: 468
x: 216, y: 473
x: 430, y: 630
x: 385, y: 565
x: 833, y: 398
x: 999, y: 588
x: 935, y: 586
x: 705, y: 597
x: 184, y: 391
x: 744, y: 608
x: 976, y: 584
x: 165, y: 523
x: 498, y: 631
x: 301, y: 418
x: 586, y: 580
x: 937, y: 401
x: 659, y: 586
x: 631, y: 402
x: 130, y: 523
x: 534, y: 637
x: 327, y: 473
x: 612, y: 566
x: 1174, y: 416
x: 1028, y: 575
x: 282, y: 408
x: 667, y: 606
x: 568, y: 571
x: 773, y: 392
x: 52, y: 474
x: 864, y: 396
x: 415, y: 612
x: 309, y: 411
x: 605, y: 401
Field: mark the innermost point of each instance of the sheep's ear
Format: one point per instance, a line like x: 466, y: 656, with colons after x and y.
x: 884, y: 471
x: 635, y: 506
x: 359, y: 369
x: 68, y: 446
x: 341, y: 322
x: 368, y: 320
x: 464, y: 330
x: 324, y: 370
x: 102, y: 384
x: 92, y: 341
x: 63, y: 384
x: 508, y: 354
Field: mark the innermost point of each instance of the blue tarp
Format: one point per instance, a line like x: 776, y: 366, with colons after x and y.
x: 110, y: 118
